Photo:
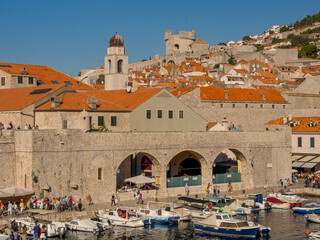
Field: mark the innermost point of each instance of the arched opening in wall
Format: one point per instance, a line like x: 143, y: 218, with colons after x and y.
x: 164, y: 62
x: 171, y: 62
x: 138, y: 164
x: 184, y: 168
x: 120, y: 66
x: 109, y: 66
x: 100, y: 79
x: 227, y: 166
x: 176, y: 46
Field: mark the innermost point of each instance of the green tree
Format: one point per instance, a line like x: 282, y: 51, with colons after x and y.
x: 259, y: 47
x: 291, y: 35
x: 308, y: 20
x: 284, y: 28
x: 246, y: 38
x: 299, y: 41
x: 308, y: 51
x: 271, y: 32
x: 231, y: 60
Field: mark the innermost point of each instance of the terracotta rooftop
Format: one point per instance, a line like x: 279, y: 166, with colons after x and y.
x: 114, y: 100
x: 46, y: 74
x: 240, y: 94
x: 300, y: 124
x: 18, y: 98
x: 181, y: 91
x: 211, y: 124
x: 199, y: 41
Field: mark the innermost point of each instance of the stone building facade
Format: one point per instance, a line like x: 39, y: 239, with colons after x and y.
x: 60, y: 162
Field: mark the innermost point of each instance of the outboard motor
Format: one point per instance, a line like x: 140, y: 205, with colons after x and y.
x: 267, y: 206
x: 61, y: 231
x: 100, y: 227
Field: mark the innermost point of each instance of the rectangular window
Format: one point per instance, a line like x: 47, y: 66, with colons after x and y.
x: 20, y: 79
x: 180, y: 114
x: 3, y: 81
x: 99, y: 173
x: 272, y: 105
x: 159, y: 113
x: 68, y: 83
x: 233, y: 105
x: 113, y: 121
x: 221, y: 105
x: 30, y: 80
x: 90, y: 121
x: 247, y: 105
x: 55, y: 82
x: 100, y: 121
x: 261, y: 105
x: 148, y: 114
x: 170, y: 114
x: 284, y: 106
x: 312, y: 142
x: 299, y: 141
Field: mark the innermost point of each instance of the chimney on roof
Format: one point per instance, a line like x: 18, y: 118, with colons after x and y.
x: 24, y: 71
x: 92, y: 103
x: 55, y: 102
x: 135, y: 86
x: 290, y: 117
x: 226, y: 94
x: 263, y: 95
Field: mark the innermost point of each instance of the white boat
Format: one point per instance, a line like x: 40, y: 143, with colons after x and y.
x: 4, y: 237
x: 313, y: 218
x: 119, y: 217
x: 161, y: 215
x: 87, y: 225
x: 314, y: 235
x: 54, y: 229
x: 239, y: 209
x: 182, y: 212
x: 221, y: 224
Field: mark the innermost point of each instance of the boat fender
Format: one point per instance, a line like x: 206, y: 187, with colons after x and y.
x: 215, y: 228
x: 307, y: 232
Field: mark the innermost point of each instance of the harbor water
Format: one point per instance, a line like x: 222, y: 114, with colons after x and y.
x: 284, y: 225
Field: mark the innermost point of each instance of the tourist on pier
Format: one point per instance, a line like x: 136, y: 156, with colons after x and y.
x: 215, y: 191
x: 230, y: 187
x: 36, y: 229
x: 124, y: 236
x: 129, y: 236
x: 113, y: 202
x: 210, y: 190
x: 186, y: 188
x: 43, y: 235
x: 156, y: 196
x: 21, y: 206
x: 140, y: 198
x: 2, y: 208
x: 206, y: 191
x: 9, y: 208
x: 80, y: 205
x: 89, y: 199
x: 24, y: 232
x: 218, y: 191
x: 15, y: 209
x: 16, y: 235
x: 256, y: 221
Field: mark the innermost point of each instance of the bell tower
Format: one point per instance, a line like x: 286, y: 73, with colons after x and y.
x: 116, y: 65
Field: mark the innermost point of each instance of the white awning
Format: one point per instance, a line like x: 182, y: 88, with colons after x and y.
x: 309, y: 165
x: 316, y: 159
x: 297, y: 164
x: 296, y: 157
x: 140, y: 180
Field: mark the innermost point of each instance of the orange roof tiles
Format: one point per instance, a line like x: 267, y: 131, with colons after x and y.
x: 211, y: 125
x: 240, y: 94
x: 114, y: 100
x: 13, y: 99
x: 199, y: 41
x: 45, y: 74
x: 302, y: 126
x: 181, y: 91
x: 240, y: 70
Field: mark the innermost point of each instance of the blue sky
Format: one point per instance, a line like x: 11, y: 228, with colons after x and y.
x: 69, y: 35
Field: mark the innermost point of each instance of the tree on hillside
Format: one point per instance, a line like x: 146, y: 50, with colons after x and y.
x: 231, y: 60
x: 246, y: 38
x: 299, y: 41
x: 308, y: 20
x: 308, y: 51
x: 284, y: 28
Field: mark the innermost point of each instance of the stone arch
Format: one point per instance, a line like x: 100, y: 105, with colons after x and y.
x: 120, y: 66
x: 171, y: 62
x: 176, y: 46
x: 138, y: 163
x: 187, y: 163
x: 230, y: 165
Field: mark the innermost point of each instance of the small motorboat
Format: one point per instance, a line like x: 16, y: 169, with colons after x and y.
x: 312, y: 218
x: 310, y: 208
x: 240, y: 209
x: 161, y: 215
x: 179, y: 209
x: 120, y: 217
x: 314, y: 235
x: 54, y: 229
x: 87, y: 225
x: 221, y: 224
x: 277, y: 203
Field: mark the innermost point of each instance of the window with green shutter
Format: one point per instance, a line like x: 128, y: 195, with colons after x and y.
x: 100, y: 121
x: 113, y: 121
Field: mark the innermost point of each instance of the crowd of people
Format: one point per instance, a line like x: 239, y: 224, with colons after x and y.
x: 13, y: 127
x: 213, y: 191
x: 312, y: 180
x: 19, y: 232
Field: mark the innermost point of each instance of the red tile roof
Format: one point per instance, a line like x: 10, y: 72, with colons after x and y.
x: 211, y: 124
x: 302, y: 124
x: 181, y: 91
x: 18, y: 98
x: 45, y: 74
x: 114, y: 100
x: 240, y: 94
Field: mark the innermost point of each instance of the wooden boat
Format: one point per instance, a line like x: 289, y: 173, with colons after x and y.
x: 221, y: 224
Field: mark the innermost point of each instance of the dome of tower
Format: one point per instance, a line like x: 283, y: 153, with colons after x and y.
x: 116, y: 41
